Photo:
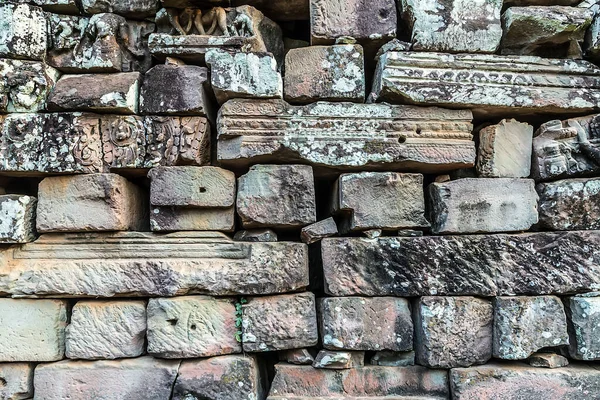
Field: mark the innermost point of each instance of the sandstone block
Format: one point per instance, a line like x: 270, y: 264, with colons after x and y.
x: 319, y: 230
x: 369, y: 382
x: 362, y: 323
x: 56, y: 6
x: 17, y: 379
x: 453, y: 26
x: 279, y: 322
x: 104, y: 93
x: 143, y: 378
x: 483, y: 205
x: 297, y: 356
x: 188, y: 327
x: 505, y: 150
x: 17, y: 218
x: 481, y: 265
x: 32, y: 330
x: 244, y: 75
x: 325, y: 73
x: 570, y: 204
x: 135, y: 9
x: 547, y: 360
x: 583, y: 321
x: 95, y: 202
x: 393, y: 358
x: 386, y: 200
x: 25, y: 85
x: 372, y: 135
x: 256, y: 235
x: 106, y: 330
x: 477, y: 82
x: 123, y: 142
x: 219, y: 378
x: 591, y: 45
x: 453, y: 331
x: 277, y: 196
x: 339, y: 359
x: 524, y: 325
x: 129, y: 264
x: 173, y: 219
x: 22, y: 31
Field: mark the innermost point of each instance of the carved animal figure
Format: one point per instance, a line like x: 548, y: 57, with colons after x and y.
x: 190, y: 21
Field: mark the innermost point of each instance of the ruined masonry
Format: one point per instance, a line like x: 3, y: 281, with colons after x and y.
x: 299, y: 199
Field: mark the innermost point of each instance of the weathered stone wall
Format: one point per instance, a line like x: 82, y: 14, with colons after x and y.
x: 299, y: 199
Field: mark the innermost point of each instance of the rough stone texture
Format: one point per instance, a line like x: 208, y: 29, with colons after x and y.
x: 380, y: 200
x: 17, y: 218
x: 104, y: 93
x: 505, y: 150
x: 319, y: 230
x: 17, y: 381
x: 143, y: 378
x: 290, y: 10
x: 188, y: 327
x: 56, y: 6
x: 32, y: 330
x: 362, y: 323
x: 123, y: 142
x: 371, y: 135
x: 192, y: 187
x: 95, y: 202
x: 453, y: 331
x: 279, y: 322
x: 570, y: 204
x: 173, y: 219
x: 546, y: 31
x: 455, y: 26
x: 130, y: 264
x: 583, y: 321
x: 175, y: 90
x: 136, y: 9
x: 256, y: 235
x: 393, y: 359
x: 473, y: 205
x: 537, y: 86
x: 482, y: 265
x: 25, y: 85
x: 547, y: 360
x: 592, y: 38
x: 22, y: 31
x: 106, y: 330
x: 297, y: 356
x: 339, y: 359
x: 219, y: 378
x: 277, y: 196
x: 370, y: 382
x: 524, y: 325
x: 325, y: 73
x: 244, y: 75
x: 519, y: 381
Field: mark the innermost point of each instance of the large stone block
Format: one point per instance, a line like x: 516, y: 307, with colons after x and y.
x: 135, y: 9
x: 380, y: 200
x: 104, y: 93
x: 17, y: 218
x: 453, y: 331
x: 325, y: 73
x: 520, y: 381
x: 173, y: 219
x: 277, y: 196
x: 570, y: 204
x: 279, y: 322
x: 361, y: 323
x: 95, y: 202
x: 481, y: 265
x: 32, y: 330
x: 17, y: 381
x: 123, y: 142
x: 143, y: 378
x: 473, y: 205
x: 345, y: 136
x: 536, y: 86
x: 367, y: 383
x: 454, y: 26
x: 25, y: 85
x: 131, y: 264
x: 106, y: 330
x: 505, y: 150
x: 22, y: 31
x: 524, y: 325
x: 219, y: 378
x: 583, y: 322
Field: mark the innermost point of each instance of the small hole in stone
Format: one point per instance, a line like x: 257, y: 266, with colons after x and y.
x: 193, y: 327
x: 384, y: 13
x: 2, y: 382
x: 402, y: 139
x: 202, y: 190
x: 173, y: 322
x: 419, y: 131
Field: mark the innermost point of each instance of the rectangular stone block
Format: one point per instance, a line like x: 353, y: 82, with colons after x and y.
x: 480, y: 265
x: 123, y: 142
x: 25, y: 85
x: 279, y: 322
x: 56, y: 6
x: 32, y: 330
x: 490, y: 85
x: 570, y: 204
x: 505, y: 150
x: 583, y: 323
x: 17, y: 379
x: 473, y: 205
x: 361, y: 323
x: 22, y: 31
x: 128, y: 264
x: 367, y: 383
x: 95, y: 202
x: 173, y: 219
x: 194, y: 326
x: 106, y: 330
x: 135, y: 9
x: 143, y: 378
x: 17, y: 218
x: 344, y: 136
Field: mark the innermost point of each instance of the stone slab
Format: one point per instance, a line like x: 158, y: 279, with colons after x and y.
x: 17, y: 218
x: 135, y: 9
x: 319, y: 230
x: 17, y: 381
x: 505, y: 150
x: 173, y: 219
x: 25, y: 85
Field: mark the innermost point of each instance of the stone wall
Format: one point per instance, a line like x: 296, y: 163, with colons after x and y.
x: 301, y: 199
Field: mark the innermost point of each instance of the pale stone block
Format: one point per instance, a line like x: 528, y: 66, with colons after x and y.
x: 327, y: 359
x: 16, y: 381
x: 25, y: 85
x: 17, y: 218
x: 505, y: 150
x: 22, y: 31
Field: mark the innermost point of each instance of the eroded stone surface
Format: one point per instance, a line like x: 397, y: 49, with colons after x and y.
x: 583, y: 320
x: 17, y: 381
x: 136, y: 9
x: 173, y: 219
x: 319, y: 230
x: 570, y: 204
x: 25, y: 85
x: 547, y: 360
x: 505, y: 150
x: 297, y: 356
x: 327, y: 359
x: 22, y: 31
x: 256, y: 235
x: 17, y: 218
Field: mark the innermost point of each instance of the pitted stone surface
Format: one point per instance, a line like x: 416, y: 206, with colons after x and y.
x: 25, y: 85
x: 17, y: 379
x: 583, y: 321
x: 17, y: 218
x: 22, y: 31
x: 570, y: 204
